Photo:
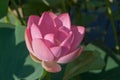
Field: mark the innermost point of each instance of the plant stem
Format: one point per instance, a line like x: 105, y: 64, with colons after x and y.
x: 16, y: 8
x: 46, y: 75
x: 113, y: 26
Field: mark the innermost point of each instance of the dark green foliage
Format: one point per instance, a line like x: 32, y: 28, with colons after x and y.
x: 3, y: 8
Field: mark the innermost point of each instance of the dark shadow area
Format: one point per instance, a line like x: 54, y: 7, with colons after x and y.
x: 112, y: 74
x: 59, y: 75
x: 12, y: 57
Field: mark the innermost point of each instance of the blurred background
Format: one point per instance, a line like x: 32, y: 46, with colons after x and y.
x: 101, y: 57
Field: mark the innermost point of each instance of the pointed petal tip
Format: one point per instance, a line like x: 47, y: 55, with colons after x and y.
x: 32, y: 19
x: 46, y: 23
x: 81, y: 29
x: 65, y: 19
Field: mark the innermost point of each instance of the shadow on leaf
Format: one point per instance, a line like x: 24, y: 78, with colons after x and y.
x: 14, y: 60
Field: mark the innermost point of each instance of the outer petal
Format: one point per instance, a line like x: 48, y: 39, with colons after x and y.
x: 46, y: 24
x: 35, y: 58
x: 71, y: 56
x: 33, y: 19
x: 28, y: 40
x: 51, y: 66
x: 35, y: 32
x: 78, y: 36
x: 65, y: 19
x: 41, y: 51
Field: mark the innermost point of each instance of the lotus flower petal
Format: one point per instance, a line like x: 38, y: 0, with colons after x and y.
x: 58, y: 22
x: 65, y: 19
x: 56, y: 51
x: 60, y: 35
x: 70, y: 57
x: 33, y: 19
x: 50, y: 37
x: 28, y: 40
x: 41, y: 51
x: 35, y: 58
x: 35, y: 32
x: 68, y: 41
x: 46, y: 24
x: 53, y: 16
x: 49, y: 44
x: 78, y: 36
x: 51, y: 66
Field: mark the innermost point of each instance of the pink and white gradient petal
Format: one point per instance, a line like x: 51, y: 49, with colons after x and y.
x: 41, y: 51
x: 35, y: 32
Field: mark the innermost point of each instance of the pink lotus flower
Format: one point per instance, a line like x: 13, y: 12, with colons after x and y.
x: 51, y: 39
